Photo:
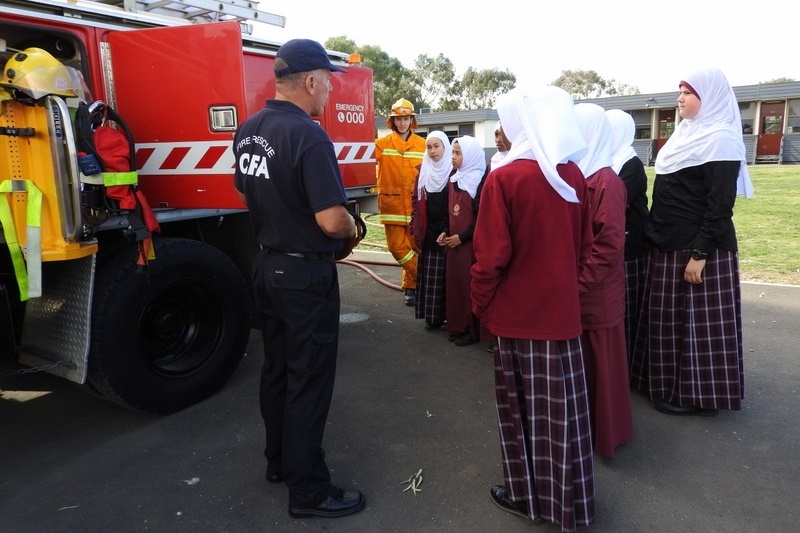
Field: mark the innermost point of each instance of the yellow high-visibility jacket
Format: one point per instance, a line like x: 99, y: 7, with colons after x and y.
x: 397, y: 175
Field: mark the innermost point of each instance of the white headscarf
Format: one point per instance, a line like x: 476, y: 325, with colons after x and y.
x: 473, y: 167
x: 434, y: 175
x: 498, y: 155
x: 623, y: 130
x: 596, y: 132
x: 714, y: 134
x: 541, y: 126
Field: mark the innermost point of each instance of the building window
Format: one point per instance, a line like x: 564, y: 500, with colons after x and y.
x: 451, y: 130
x: 772, y: 125
x: 748, y: 112
x: 642, y: 118
x: 793, y: 121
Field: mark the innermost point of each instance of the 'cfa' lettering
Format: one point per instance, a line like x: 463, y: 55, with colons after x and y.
x: 253, y: 165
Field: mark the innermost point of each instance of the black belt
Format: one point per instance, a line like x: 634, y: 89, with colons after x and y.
x: 329, y: 256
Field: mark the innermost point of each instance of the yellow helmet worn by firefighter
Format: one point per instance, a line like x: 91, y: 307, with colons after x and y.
x: 402, y: 108
x: 35, y: 73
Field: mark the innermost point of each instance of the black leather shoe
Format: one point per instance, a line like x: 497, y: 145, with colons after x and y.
x: 465, y: 340
x: 500, y: 499
x: 339, y: 503
x: 670, y: 409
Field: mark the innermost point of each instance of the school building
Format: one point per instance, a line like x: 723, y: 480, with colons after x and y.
x: 770, y: 122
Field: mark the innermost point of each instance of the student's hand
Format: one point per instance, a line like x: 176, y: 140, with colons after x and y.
x: 453, y: 241
x: 440, y: 239
x: 694, y: 271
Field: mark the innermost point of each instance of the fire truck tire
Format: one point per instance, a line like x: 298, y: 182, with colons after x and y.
x: 168, y: 335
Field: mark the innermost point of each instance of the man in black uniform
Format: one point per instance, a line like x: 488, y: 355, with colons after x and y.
x: 286, y: 172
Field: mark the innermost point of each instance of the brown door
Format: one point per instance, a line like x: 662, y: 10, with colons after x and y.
x: 666, y: 125
x: 770, y: 130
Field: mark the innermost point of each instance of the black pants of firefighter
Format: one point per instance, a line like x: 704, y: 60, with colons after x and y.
x: 298, y: 309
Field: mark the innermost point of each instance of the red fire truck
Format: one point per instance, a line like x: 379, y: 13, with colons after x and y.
x: 78, y: 296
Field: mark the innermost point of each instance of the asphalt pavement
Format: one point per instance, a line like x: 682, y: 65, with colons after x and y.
x: 405, y: 399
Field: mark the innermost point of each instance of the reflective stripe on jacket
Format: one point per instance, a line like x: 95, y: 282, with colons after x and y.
x: 397, y: 174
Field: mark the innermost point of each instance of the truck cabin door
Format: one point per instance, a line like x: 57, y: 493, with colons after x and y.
x: 181, y: 92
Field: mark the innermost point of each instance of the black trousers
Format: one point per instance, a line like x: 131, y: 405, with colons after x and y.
x: 298, y: 312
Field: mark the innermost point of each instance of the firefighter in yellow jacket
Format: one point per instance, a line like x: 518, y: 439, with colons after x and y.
x: 398, y: 155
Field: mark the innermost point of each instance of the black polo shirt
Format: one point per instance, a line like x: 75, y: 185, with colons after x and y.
x: 286, y: 167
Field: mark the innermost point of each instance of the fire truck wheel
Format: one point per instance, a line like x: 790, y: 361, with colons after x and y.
x: 170, y: 334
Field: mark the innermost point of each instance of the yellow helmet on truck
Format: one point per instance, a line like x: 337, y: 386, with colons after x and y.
x: 35, y: 73
x: 402, y: 108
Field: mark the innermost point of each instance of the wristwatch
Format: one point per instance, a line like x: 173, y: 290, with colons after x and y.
x: 697, y: 255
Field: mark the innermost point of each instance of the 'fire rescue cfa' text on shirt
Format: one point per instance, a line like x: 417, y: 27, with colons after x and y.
x: 254, y: 164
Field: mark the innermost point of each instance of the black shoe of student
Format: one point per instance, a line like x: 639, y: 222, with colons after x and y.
x: 410, y: 297
x: 500, y: 498
x: 454, y: 337
x: 670, y: 409
x: 437, y: 325
x: 465, y: 340
x: 339, y: 503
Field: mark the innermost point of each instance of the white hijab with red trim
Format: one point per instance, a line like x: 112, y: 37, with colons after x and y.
x: 714, y: 134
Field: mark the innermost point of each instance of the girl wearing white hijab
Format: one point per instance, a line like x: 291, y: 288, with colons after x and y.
x: 630, y: 169
x: 435, y: 173
x: 528, y: 120
x: 472, y: 167
x: 623, y: 130
x: 502, y: 150
x: 428, y: 221
x: 691, y: 337
x: 602, y: 288
x: 469, y: 160
x: 714, y: 133
x: 532, y: 234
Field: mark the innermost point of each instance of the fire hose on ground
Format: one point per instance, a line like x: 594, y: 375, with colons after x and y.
x: 360, y: 263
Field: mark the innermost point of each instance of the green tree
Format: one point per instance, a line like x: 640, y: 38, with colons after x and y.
x: 583, y: 84
x: 613, y: 88
x: 782, y: 79
x: 434, y: 78
x: 480, y: 88
x: 391, y: 80
x: 341, y: 44
x: 432, y: 82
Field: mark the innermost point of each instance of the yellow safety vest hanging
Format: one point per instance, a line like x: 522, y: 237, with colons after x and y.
x: 29, y: 279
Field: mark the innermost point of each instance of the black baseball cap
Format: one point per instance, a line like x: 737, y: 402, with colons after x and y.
x: 303, y: 55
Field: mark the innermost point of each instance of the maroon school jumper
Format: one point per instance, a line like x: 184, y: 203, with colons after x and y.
x: 602, y: 290
x: 462, y: 214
